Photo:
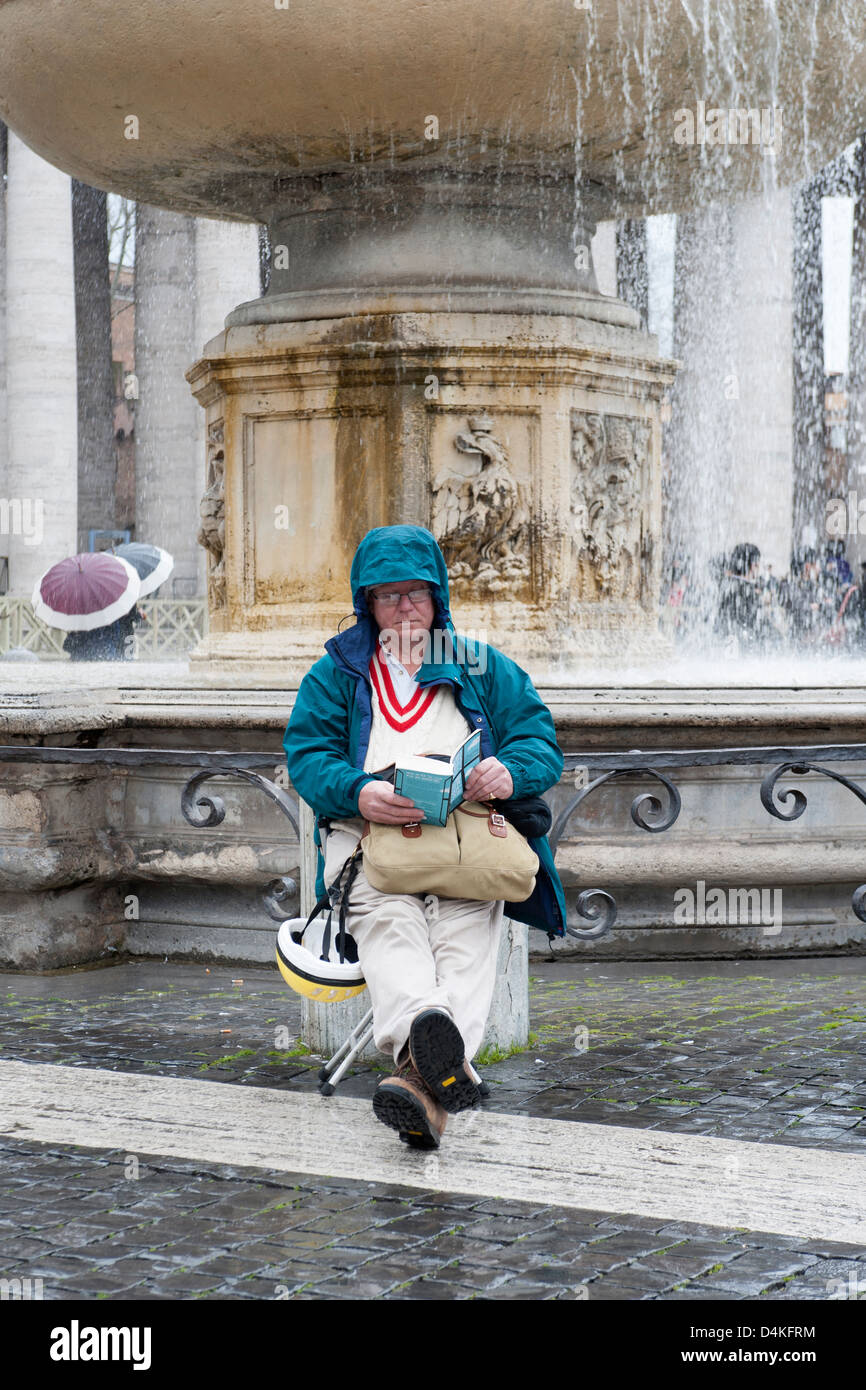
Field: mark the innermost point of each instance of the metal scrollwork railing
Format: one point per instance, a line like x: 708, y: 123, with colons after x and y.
x: 650, y: 811
x: 650, y: 814
x: 277, y: 894
x: 203, y: 811
x: 214, y: 807
x: 642, y: 808
x: 771, y: 796
x: 593, y: 905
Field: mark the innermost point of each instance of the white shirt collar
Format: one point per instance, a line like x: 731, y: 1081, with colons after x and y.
x: 404, y: 684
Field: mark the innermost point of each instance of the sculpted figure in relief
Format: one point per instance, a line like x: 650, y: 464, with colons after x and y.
x: 212, y: 532
x: 481, y: 519
x: 608, y: 454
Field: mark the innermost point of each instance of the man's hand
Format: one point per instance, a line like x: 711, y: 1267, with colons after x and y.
x: 489, y: 779
x: 379, y: 802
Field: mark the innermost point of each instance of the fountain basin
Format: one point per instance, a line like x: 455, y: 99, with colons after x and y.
x: 205, y: 108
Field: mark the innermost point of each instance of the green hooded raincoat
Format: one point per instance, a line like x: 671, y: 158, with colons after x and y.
x: 329, y: 729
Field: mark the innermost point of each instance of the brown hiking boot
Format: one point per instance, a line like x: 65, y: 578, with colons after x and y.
x: 405, y: 1102
x: 439, y: 1056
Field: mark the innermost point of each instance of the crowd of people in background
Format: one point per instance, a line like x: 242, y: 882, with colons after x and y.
x: 820, y: 604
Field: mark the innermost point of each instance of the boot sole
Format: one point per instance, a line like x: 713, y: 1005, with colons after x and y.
x: 437, y: 1051
x: 399, y: 1110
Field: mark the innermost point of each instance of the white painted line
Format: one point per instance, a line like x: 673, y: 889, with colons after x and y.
x: 720, y: 1182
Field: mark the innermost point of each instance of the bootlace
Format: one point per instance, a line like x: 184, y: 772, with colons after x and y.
x: 409, y: 1072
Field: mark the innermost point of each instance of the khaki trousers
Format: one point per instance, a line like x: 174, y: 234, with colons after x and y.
x: 419, y: 952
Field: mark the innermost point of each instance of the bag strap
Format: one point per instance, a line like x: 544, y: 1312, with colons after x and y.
x: 496, y: 822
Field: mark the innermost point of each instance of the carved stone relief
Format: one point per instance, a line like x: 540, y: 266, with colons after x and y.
x: 212, y: 532
x: 609, y: 455
x: 481, y: 514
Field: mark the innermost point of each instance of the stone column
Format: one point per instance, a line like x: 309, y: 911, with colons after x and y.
x: 97, y: 456
x: 227, y: 273
x: 4, y: 539
x: 856, y: 440
x: 604, y: 256
x: 42, y: 473
x: 632, y: 273
x: 731, y: 477
x: 703, y: 403
x: 761, y: 484
x: 167, y: 472
x: 808, y: 361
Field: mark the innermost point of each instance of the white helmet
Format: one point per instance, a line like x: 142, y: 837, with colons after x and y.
x: 317, y: 961
x: 318, y: 957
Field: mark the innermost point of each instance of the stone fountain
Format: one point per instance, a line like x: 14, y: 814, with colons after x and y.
x: 433, y: 346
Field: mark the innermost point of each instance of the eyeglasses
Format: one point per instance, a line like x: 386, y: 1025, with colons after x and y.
x: 389, y: 599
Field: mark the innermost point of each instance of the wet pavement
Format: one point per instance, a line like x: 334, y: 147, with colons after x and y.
x: 766, y: 1052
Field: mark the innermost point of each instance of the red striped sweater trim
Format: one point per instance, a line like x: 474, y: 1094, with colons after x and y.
x: 399, y: 717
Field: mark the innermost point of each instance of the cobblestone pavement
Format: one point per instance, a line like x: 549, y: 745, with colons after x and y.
x: 86, y: 1225
x: 759, y: 1051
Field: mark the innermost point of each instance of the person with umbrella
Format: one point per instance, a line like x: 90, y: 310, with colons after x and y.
x: 93, y: 597
x: 153, y: 567
x: 84, y: 595
x: 110, y: 643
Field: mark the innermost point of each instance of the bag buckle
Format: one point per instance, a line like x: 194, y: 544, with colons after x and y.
x: 497, y: 825
x: 412, y: 830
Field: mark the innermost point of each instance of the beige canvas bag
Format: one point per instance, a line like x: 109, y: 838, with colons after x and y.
x: 476, y: 854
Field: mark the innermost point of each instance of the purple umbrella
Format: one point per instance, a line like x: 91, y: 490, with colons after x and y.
x: 86, y: 591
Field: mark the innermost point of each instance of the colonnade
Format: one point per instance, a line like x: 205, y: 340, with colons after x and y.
x: 190, y: 273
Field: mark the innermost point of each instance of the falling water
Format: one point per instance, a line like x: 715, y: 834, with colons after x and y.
x: 742, y: 457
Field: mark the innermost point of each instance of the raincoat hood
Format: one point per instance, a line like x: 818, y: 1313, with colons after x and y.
x: 391, y: 554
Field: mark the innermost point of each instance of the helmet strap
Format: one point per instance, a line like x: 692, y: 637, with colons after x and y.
x: 354, y: 863
x: 338, y: 896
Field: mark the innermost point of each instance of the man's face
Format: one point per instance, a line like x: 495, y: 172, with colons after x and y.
x: 405, y: 616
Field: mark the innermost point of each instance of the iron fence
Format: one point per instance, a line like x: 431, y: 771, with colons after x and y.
x: 654, y: 810
x: 171, y: 628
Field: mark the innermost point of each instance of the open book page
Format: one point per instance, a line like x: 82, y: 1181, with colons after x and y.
x: 420, y: 762
x: 466, y: 757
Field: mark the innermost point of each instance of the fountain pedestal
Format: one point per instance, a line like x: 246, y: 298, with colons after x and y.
x: 528, y: 443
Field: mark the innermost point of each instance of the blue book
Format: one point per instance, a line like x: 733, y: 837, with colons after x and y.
x: 436, y: 784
